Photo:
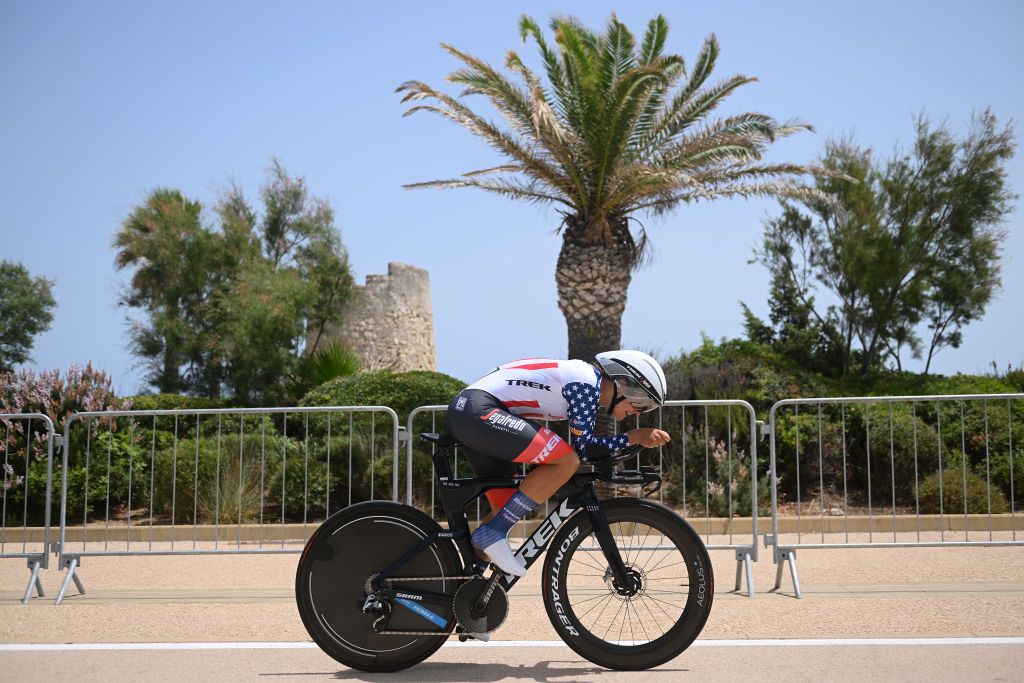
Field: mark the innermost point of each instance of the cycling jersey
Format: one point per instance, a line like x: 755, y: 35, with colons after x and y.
x: 496, y: 417
x: 545, y: 389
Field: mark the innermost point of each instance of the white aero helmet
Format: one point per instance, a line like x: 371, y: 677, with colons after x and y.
x: 637, y: 375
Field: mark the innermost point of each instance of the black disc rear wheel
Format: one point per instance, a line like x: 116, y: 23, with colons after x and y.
x: 662, y: 606
x: 333, y: 576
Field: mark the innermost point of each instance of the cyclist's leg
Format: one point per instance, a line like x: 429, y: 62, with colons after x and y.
x: 483, y: 424
x: 542, y: 482
x: 484, y: 466
x: 491, y: 433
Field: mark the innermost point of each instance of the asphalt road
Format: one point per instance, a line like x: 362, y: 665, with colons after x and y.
x: 852, y: 599
x: 710, y: 661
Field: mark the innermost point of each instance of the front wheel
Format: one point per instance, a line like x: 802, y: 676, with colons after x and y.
x: 657, y: 615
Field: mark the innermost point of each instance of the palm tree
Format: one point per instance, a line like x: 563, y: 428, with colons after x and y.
x: 618, y: 129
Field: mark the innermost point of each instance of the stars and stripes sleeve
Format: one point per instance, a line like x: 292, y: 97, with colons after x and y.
x: 582, y: 399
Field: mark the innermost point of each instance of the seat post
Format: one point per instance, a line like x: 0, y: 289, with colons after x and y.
x: 442, y: 467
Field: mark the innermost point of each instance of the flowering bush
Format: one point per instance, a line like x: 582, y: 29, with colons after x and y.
x: 25, y: 441
x: 81, y: 389
x: 10, y: 480
x: 724, y: 488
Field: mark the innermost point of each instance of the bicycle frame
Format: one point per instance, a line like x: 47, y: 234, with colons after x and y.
x: 457, y: 493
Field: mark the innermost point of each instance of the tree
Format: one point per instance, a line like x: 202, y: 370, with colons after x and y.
x: 173, y: 256
x: 963, y: 285
x: 619, y: 129
x: 293, y: 282
x: 916, y: 238
x: 229, y: 311
x: 26, y: 311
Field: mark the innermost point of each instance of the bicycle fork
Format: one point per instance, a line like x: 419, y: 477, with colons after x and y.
x: 622, y: 580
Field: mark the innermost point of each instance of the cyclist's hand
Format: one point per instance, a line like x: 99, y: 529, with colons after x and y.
x: 648, y: 438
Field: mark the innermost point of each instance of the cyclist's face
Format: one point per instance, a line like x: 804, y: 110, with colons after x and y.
x: 624, y: 409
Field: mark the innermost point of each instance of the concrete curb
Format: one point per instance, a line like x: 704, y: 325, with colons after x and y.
x: 715, y: 526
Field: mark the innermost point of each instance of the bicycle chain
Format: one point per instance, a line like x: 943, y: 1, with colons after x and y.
x: 446, y: 634
x: 431, y: 578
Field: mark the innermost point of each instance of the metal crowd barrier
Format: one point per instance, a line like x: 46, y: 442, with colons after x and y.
x: 927, y: 471
x: 27, y: 451
x: 709, y: 470
x: 891, y: 471
x: 213, y: 481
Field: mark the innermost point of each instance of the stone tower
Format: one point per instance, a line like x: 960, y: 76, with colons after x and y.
x: 389, y: 321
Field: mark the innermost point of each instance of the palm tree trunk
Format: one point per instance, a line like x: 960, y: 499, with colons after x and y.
x: 592, y: 282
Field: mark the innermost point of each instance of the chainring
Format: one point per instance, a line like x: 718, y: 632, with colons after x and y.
x: 494, y: 614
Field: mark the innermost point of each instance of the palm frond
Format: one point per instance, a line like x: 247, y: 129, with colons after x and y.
x: 627, y: 102
x: 505, y: 168
x: 700, y: 105
x: 552, y: 65
x: 749, y: 130
x: 654, y: 39
x: 559, y: 140
x: 672, y: 68
x: 616, y: 57
x: 589, y: 40
x: 530, y: 190
x: 333, y: 361
x: 740, y: 139
x: 543, y: 116
x: 579, y: 68
x: 702, y: 68
x: 636, y: 181
x: 675, y: 118
x: 720, y: 176
x: 455, y: 111
x: 481, y: 78
x: 778, y: 190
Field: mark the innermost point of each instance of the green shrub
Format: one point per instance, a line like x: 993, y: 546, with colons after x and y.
x: 999, y: 470
x: 235, y: 496
x: 401, y: 391
x: 952, y: 497
x: 114, y: 465
x: 725, y: 490
x: 739, y: 369
x: 303, y: 484
x: 171, y: 402
x: 199, y: 477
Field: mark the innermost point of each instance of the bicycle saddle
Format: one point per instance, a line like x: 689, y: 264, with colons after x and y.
x: 441, y: 440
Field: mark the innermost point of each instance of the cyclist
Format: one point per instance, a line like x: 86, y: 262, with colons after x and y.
x: 496, y: 419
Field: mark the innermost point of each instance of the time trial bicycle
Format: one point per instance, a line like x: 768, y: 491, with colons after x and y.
x: 627, y: 583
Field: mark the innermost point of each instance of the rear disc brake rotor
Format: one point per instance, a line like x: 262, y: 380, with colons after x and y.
x: 493, y: 615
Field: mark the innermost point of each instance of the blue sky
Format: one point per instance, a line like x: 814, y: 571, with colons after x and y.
x: 104, y: 101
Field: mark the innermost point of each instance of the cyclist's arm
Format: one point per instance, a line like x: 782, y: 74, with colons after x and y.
x: 582, y: 399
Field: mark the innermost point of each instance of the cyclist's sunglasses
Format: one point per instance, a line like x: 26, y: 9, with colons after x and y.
x: 635, y: 395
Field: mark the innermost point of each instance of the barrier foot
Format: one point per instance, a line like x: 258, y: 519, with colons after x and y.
x: 71, y: 563
x: 33, y: 582
x: 787, y: 555
x: 744, y: 565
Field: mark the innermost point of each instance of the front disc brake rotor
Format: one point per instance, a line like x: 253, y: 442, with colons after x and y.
x: 493, y: 615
